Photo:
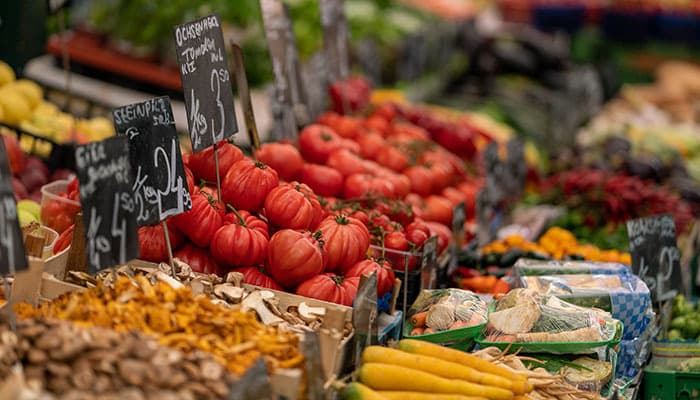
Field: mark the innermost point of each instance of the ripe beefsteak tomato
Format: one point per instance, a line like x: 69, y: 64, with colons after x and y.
x: 324, y: 181
x: 258, y: 277
x: 438, y: 209
x: 346, y: 162
x: 361, y: 185
x: 317, y: 142
x: 347, y: 127
x: 385, y: 275
x: 240, y: 242
x: 247, y: 183
x: 421, y: 179
x: 370, y: 143
x: 203, y: 164
x: 283, y: 158
x: 201, y: 222
x: 294, y: 256
x: 392, y: 158
x: 330, y: 287
x: 346, y: 242
x: 417, y: 233
x: 294, y: 206
x: 198, y: 259
x: 152, y: 242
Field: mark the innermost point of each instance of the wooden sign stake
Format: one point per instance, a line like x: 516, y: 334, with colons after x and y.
x: 170, y: 248
x: 77, y: 255
x: 244, y: 95
x: 9, y: 306
x: 34, y: 245
x: 218, y: 174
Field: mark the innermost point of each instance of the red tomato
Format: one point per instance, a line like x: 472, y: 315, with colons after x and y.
x: 397, y: 210
x: 386, y: 111
x: 394, y: 243
x: 438, y: 209
x: 346, y: 242
x: 152, y: 243
x: 293, y: 257
x: 325, y: 181
x: 392, y: 158
x: 361, y: 185
x: 330, y: 287
x: 64, y: 240
x: 378, y: 124
x: 317, y: 142
x: 247, y: 183
x: 189, y: 177
x: 350, y: 145
x: 201, y: 222
x: 346, y: 162
x: 203, y: 164
x: 421, y: 179
x: 409, y: 130
x: 59, y: 215
x: 442, y: 175
x: 211, y: 193
x: 283, y: 158
x: 361, y: 216
x: 439, y: 155
x: 443, y: 233
x: 294, y: 206
x: 385, y: 275
x: 15, y: 156
x: 258, y: 277
x: 198, y: 259
x: 454, y: 196
x: 417, y: 233
x: 344, y: 126
x: 402, y: 185
x: 457, y: 139
x: 241, y: 242
x: 370, y: 143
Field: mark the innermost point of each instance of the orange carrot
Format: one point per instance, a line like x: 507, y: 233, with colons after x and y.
x: 418, y: 320
x: 416, y: 332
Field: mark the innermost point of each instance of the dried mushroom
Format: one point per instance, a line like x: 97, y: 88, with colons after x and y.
x: 178, y: 319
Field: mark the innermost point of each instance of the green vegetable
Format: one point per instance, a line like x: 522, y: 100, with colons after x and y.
x: 691, y: 329
x: 674, y: 335
x: 678, y: 323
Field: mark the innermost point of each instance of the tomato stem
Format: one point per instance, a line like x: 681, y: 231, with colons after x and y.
x: 240, y: 218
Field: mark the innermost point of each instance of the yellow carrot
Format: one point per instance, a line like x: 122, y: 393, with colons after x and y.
x: 393, y: 377
x: 432, y: 365
x: 358, y: 391
x: 391, y: 395
x: 460, y: 357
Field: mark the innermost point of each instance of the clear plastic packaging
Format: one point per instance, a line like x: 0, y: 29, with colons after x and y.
x: 531, y: 267
x: 442, y: 310
x: 532, y: 320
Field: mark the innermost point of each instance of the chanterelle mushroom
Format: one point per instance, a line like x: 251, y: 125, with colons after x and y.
x: 310, y: 314
x: 254, y: 301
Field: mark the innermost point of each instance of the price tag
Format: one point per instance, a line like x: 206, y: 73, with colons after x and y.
x: 158, y: 176
x: 12, y: 254
x: 459, y: 215
x: 289, y: 101
x: 364, y: 317
x: 206, y: 82
x: 655, y: 255
x: 429, y: 263
x: 335, y: 39
x: 109, y: 209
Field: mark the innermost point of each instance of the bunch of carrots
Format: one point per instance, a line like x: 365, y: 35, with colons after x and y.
x: 420, y: 370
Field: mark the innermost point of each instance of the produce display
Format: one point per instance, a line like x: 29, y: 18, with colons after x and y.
x: 176, y: 318
x: 684, y: 324
x: 530, y: 321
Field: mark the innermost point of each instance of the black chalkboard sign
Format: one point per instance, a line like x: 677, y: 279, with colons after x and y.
x: 335, y: 39
x: 158, y: 176
x: 655, y: 255
x: 206, y: 82
x: 109, y: 209
x: 12, y: 255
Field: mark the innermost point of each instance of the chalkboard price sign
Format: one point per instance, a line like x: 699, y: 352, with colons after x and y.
x: 158, y: 176
x: 206, y: 82
x: 12, y: 255
x: 109, y: 209
x: 655, y: 255
x: 335, y: 39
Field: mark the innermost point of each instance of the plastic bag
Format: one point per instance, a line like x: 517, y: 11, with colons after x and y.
x: 525, y: 316
x: 446, y: 309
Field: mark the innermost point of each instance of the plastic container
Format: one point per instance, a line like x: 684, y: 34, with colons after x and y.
x: 670, y: 385
x: 51, y: 237
x: 51, y: 193
x: 558, y: 347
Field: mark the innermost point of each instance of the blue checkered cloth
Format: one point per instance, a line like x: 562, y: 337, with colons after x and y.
x: 631, y: 306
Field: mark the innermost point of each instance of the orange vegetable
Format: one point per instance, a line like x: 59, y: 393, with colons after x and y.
x: 479, y: 284
x: 418, y: 320
x: 417, y: 331
x: 501, y: 286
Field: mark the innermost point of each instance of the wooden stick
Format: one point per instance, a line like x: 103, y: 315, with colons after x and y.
x: 170, y: 248
x: 218, y: 174
x: 77, y: 255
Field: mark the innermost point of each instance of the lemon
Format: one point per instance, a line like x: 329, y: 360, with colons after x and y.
x: 30, y: 90
x: 15, y: 107
x: 7, y: 74
x: 25, y: 217
x: 30, y: 206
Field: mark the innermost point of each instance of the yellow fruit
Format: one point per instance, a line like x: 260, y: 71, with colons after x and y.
x: 45, y: 109
x: 25, y: 217
x: 15, y: 107
x: 7, y: 74
x: 31, y: 91
x: 30, y: 206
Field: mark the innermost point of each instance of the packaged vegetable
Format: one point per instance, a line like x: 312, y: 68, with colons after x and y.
x: 446, y: 309
x: 533, y: 321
